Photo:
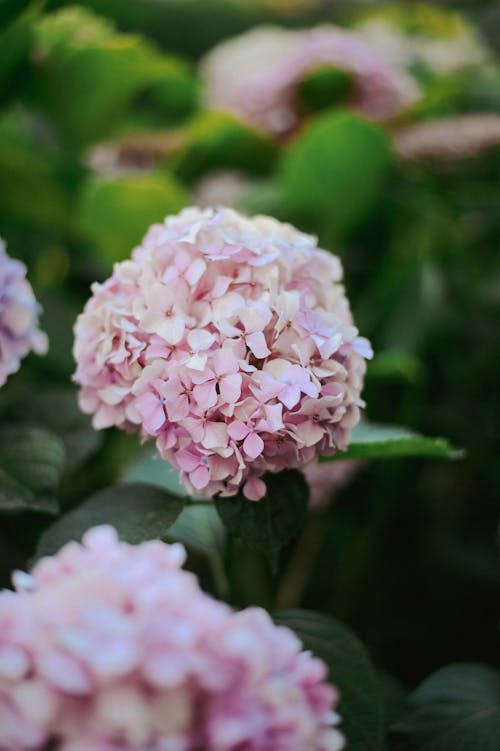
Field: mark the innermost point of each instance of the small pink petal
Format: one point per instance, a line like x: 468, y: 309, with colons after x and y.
x: 200, y: 477
x: 253, y: 445
x: 290, y: 396
x: 186, y: 460
x: 230, y: 388
x: 215, y: 435
x: 178, y: 409
x: 256, y: 343
x: 225, y: 362
x: 205, y: 395
x: 238, y: 430
x: 254, y: 489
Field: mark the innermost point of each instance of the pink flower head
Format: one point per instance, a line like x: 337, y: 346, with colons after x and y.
x: 245, y: 364
x: 19, y: 332
x: 108, y: 645
x: 256, y: 75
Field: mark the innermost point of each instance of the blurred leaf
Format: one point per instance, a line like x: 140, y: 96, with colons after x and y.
x: 373, y: 441
x: 198, y: 526
x: 31, y: 466
x: 138, y: 512
x: 57, y: 409
x: 98, y: 69
x: 217, y: 140
x: 34, y: 195
x: 151, y: 468
x: 269, y: 524
x: 334, y: 170
x: 396, y: 364
x: 115, y: 213
x: 350, y: 669
x: 324, y: 87
x: 15, y: 43
x: 457, y: 707
x: 394, y: 695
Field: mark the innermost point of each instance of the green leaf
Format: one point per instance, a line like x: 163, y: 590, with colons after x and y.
x: 217, y: 140
x: 198, y: 526
x: 115, y: 213
x: 151, y: 468
x: 97, y: 69
x: 334, y: 171
x: 269, y: 524
x: 456, y: 709
x: 31, y: 466
x: 35, y: 195
x: 350, y: 669
x: 324, y: 87
x: 373, y: 441
x: 138, y: 512
x: 15, y: 42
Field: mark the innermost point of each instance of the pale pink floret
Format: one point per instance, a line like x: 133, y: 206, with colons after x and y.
x: 256, y: 74
x: 230, y: 342
x: 110, y: 646
x: 19, y: 311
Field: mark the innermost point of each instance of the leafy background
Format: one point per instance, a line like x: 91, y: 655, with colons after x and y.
x: 406, y: 553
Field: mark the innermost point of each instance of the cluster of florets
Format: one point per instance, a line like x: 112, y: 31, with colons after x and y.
x: 111, y: 646
x: 256, y: 75
x: 19, y: 333
x: 230, y: 341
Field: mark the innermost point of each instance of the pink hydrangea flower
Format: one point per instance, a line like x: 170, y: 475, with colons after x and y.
x: 256, y: 75
x: 230, y: 342
x: 19, y: 332
x: 111, y: 646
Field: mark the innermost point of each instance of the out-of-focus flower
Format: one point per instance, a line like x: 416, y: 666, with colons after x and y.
x: 257, y: 75
x: 221, y: 188
x: 19, y: 332
x: 441, y: 42
x: 448, y: 138
x: 230, y: 341
x: 108, y: 645
x: 326, y: 480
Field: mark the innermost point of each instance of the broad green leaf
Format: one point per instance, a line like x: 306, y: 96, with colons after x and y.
x: 350, y: 669
x: 34, y: 195
x: 56, y: 408
x: 334, y: 170
x: 396, y: 365
x: 87, y: 72
x: 115, y: 213
x: 269, y: 524
x: 15, y: 42
x: 31, y: 466
x: 373, y: 441
x: 198, y: 526
x: 151, y: 468
x: 324, y: 87
x: 217, y: 140
x: 138, y: 512
x: 456, y: 709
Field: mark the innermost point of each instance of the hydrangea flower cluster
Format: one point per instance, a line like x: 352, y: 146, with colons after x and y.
x: 256, y: 75
x: 230, y: 341
x: 108, y: 645
x: 19, y: 333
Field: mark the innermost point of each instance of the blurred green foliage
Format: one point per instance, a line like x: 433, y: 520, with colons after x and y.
x: 103, y: 132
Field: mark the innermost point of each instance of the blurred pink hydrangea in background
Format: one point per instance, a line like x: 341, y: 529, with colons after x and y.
x: 108, y: 645
x: 326, y: 480
x: 19, y: 311
x: 256, y: 75
x: 230, y: 341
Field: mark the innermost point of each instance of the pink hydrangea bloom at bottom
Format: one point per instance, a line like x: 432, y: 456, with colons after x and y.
x: 113, y: 647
